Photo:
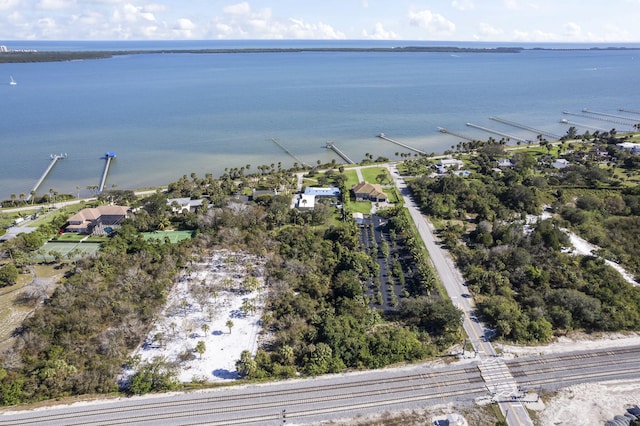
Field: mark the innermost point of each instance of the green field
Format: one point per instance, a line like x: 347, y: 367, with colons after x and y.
x: 84, y: 249
x: 173, y: 236
x: 370, y: 173
x: 352, y: 178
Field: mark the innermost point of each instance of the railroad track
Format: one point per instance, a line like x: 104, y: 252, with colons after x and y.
x: 339, y: 397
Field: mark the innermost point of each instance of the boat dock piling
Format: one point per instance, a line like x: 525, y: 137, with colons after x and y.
x: 54, y: 160
x: 458, y: 135
x: 302, y: 163
x: 522, y: 126
x: 506, y: 135
x: 108, y: 156
x: 331, y: 145
x: 596, y: 117
x: 382, y: 136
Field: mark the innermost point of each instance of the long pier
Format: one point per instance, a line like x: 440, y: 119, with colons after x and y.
x: 108, y: 156
x: 332, y: 146
x: 302, y: 163
x: 596, y: 117
x: 522, y: 126
x: 54, y: 160
x: 586, y: 126
x: 604, y: 114
x: 629, y: 110
x: 506, y: 135
x: 382, y: 136
x: 459, y: 135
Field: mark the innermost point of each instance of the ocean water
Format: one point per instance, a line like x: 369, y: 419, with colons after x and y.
x: 167, y: 115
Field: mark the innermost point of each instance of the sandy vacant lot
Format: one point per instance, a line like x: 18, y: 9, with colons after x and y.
x: 225, y: 287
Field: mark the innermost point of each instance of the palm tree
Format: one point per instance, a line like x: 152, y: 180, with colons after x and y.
x: 205, y: 329
x: 229, y: 325
x: 201, y: 348
x: 13, y: 198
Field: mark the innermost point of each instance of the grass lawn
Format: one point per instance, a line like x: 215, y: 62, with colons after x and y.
x: 369, y: 173
x: 363, y: 207
x: 173, y: 236
x: 391, y: 193
x: 67, y: 211
x: 352, y: 178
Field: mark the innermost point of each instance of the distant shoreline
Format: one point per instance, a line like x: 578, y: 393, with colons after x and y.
x: 62, y: 56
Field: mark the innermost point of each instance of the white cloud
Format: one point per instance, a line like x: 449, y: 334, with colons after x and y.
x: 487, y: 31
x: 434, y: 23
x: 379, y: 33
x: 242, y: 22
x: 155, y: 8
x: 56, y: 4
x: 365, y: 4
x: 571, y: 29
x: 463, y: 5
x: 511, y: 4
x: 238, y: 9
x: 184, y: 28
x: 8, y: 4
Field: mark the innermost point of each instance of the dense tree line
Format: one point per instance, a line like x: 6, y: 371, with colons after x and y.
x: 526, y: 286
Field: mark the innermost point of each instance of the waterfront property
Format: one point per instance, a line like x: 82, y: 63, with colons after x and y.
x: 97, y: 220
x: 307, y: 200
x: 179, y: 205
x: 365, y: 191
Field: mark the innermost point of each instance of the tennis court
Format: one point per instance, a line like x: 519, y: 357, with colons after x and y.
x: 173, y: 236
x: 83, y: 249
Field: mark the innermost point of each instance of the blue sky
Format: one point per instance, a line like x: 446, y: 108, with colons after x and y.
x: 607, y: 21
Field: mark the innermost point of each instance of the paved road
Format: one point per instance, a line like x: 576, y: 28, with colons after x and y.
x: 494, y: 372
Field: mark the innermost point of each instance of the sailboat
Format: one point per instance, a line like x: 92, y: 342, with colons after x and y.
x: 12, y: 82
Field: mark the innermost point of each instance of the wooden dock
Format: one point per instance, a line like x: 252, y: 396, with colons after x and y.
x: 334, y: 148
x: 597, y: 117
x: 496, y: 132
x: 604, y: 114
x: 382, y: 136
x: 524, y: 127
x: 458, y: 135
x: 108, y: 156
x: 632, y: 111
x: 585, y: 126
x: 54, y: 160
x: 302, y: 163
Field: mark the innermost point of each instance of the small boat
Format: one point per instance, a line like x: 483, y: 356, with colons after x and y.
x: 12, y: 82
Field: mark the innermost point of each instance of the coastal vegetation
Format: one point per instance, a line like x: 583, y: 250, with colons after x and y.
x: 517, y: 263
x: 340, y: 296
x: 317, y: 318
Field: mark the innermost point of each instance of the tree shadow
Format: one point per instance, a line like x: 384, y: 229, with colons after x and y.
x: 225, y: 374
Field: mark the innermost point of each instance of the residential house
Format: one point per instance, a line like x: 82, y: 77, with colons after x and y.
x: 631, y: 147
x: 505, y: 163
x: 560, y: 163
x: 328, y: 192
x: 183, y: 204
x: 365, y: 191
x: 447, y: 164
x: 86, y: 221
x: 306, y: 202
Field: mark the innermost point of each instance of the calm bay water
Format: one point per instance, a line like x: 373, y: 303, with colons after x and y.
x: 166, y: 115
